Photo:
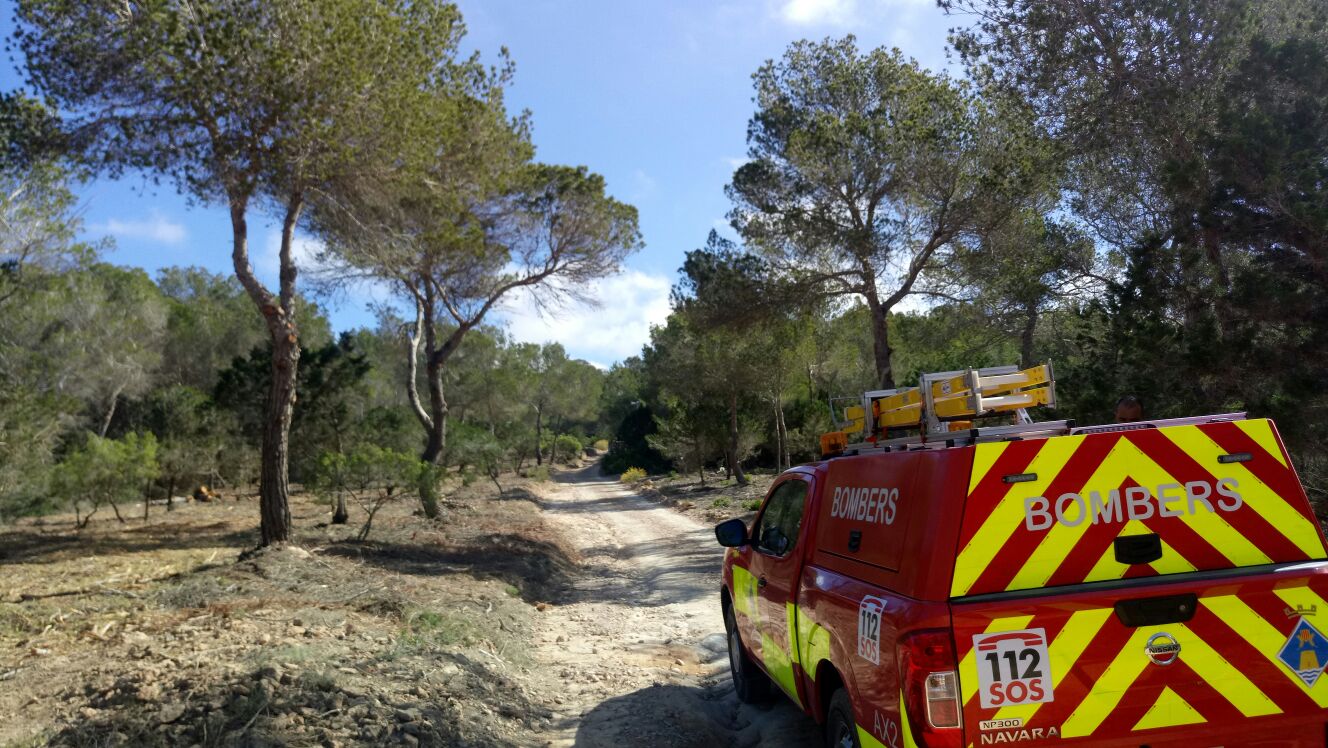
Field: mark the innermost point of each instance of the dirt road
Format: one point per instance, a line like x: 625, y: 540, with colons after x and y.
x: 639, y: 645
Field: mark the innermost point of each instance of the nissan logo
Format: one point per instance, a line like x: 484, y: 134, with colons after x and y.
x: 1162, y: 649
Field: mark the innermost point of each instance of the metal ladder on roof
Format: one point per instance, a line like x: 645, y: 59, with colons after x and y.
x: 941, y: 402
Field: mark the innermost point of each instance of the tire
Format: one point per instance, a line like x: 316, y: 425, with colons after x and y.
x: 841, y: 731
x: 750, y: 683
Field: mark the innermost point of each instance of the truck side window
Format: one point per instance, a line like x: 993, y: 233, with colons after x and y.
x: 778, y: 528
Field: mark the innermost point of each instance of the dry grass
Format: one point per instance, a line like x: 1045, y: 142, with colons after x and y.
x: 158, y: 633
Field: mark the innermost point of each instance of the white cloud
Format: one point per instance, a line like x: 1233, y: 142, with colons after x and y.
x: 304, y: 249
x: 843, y: 13
x: 819, y: 12
x: 157, y: 228
x: 629, y: 303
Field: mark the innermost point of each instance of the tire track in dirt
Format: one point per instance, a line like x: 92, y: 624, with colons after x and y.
x: 636, y: 653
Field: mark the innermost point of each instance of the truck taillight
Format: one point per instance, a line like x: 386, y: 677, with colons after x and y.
x: 927, y: 670
x: 943, y: 699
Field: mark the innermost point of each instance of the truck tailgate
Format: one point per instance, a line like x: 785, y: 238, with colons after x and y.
x: 1204, y: 659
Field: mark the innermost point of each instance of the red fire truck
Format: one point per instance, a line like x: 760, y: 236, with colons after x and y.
x: 1156, y: 584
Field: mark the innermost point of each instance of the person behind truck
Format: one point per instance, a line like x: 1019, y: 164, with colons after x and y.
x: 1129, y: 409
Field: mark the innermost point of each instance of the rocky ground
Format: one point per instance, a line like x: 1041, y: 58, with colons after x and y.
x: 573, y: 612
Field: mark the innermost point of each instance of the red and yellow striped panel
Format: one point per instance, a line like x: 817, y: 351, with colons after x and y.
x: 1075, y: 495
x: 1226, y: 675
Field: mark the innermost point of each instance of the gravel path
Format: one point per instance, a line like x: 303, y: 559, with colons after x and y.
x: 638, y: 648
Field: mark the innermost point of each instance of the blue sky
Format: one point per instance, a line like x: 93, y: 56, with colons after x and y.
x: 653, y: 95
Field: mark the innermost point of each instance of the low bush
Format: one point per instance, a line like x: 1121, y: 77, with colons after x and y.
x: 632, y: 475
x: 602, y: 445
x: 720, y: 503
x: 566, y: 448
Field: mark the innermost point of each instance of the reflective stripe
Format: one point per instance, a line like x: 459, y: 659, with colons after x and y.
x: 1212, y: 667
x: 744, y: 594
x: 780, y: 666
x: 867, y: 740
x: 905, y: 727
x: 1109, y: 689
x: 1008, y: 516
x: 1258, y: 495
x: 813, y: 642
x: 1170, y: 710
x: 1045, y: 532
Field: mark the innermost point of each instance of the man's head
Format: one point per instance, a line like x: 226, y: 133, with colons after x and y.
x: 1129, y: 409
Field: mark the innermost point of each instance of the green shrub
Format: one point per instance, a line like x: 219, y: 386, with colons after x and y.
x: 720, y: 503
x: 106, y: 471
x: 371, y: 477
x: 540, y: 473
x: 632, y: 475
x: 752, y: 505
x: 566, y: 448
x: 602, y: 445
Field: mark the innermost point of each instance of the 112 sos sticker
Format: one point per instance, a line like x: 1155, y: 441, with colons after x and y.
x: 1013, y: 668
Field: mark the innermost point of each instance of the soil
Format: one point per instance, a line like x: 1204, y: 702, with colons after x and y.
x: 639, y: 640
x: 711, y: 502
x: 573, y: 612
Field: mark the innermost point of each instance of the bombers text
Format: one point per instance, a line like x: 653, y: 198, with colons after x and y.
x: 876, y: 505
x: 1132, y: 503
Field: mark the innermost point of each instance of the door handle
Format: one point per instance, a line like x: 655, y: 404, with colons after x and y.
x: 760, y: 582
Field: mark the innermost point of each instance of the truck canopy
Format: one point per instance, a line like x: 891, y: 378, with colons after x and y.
x: 1126, y: 503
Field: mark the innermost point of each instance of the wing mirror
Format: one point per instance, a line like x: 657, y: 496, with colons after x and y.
x: 731, y: 533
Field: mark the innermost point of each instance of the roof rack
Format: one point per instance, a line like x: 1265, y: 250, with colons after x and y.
x: 941, y: 402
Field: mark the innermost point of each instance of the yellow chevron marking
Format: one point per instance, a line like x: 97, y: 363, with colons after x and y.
x: 1066, y: 650
x: 1061, y: 539
x: 780, y: 666
x: 1301, y: 597
x: 1108, y: 567
x: 1126, y: 461
x: 1171, y: 562
x: 1009, y: 514
x: 813, y: 643
x: 744, y: 594
x: 984, y: 456
x: 1261, y: 634
x: 904, y: 728
x: 1170, y: 710
x: 1261, y: 431
x: 1257, y: 495
x: 1213, y: 668
x: 1108, y: 690
x: 867, y: 740
x: 1211, y: 528
x: 968, y: 668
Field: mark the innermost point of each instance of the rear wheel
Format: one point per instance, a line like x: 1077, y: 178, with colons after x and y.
x: 840, y: 729
x: 749, y: 682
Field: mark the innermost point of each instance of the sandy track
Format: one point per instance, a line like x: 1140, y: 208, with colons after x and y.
x: 638, y: 646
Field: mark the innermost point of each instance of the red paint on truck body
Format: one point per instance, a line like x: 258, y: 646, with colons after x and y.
x: 867, y: 592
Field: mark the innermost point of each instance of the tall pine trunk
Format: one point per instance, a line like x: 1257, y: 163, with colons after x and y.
x: 539, y: 436
x: 880, y: 316
x: 733, y: 439
x: 1026, y: 338
x: 437, y: 428
x: 782, y: 427
x: 279, y: 314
